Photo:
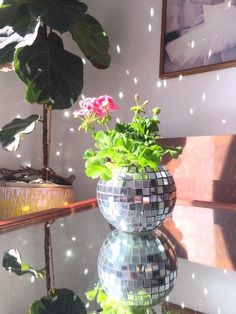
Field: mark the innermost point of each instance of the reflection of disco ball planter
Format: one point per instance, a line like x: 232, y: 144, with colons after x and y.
x: 135, y: 202
x: 139, y: 269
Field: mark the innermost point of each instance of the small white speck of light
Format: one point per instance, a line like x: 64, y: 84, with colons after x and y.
x: 18, y: 156
x: 118, y: 120
x: 158, y: 84
x: 218, y: 310
x: 118, y: 49
x: 149, y: 27
x: 229, y: 3
x: 62, y: 225
x: 225, y: 271
x: 87, y: 305
x: 72, y: 129
x: 151, y: 12
x: 127, y: 72
x: 68, y: 253
x: 84, y: 61
x: 182, y: 305
x: 86, y: 271
x: 66, y: 114
x: 18, y: 116
x: 192, y: 44
x: 135, y: 80
x: 104, y: 34
x: 121, y: 95
x: 193, y: 275
x: 82, y: 96
x: 73, y: 239
x: 28, y: 164
x: 205, y: 291
x: 223, y: 121
x: 60, y: 144
x: 165, y: 83
x: 167, y: 298
x: 209, y: 53
x: 191, y: 111
x: 32, y: 279
x: 218, y: 77
x: 70, y: 169
x: 180, y: 77
x: 58, y: 153
x: 203, y: 97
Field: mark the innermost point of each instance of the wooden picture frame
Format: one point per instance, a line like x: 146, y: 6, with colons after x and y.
x: 192, y: 36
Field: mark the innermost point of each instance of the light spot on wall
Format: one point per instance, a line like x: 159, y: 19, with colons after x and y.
x: 135, y: 80
x: 182, y: 305
x: 191, y: 111
x: 62, y: 225
x: 159, y: 84
x: 87, y: 305
x: 127, y: 72
x: 193, y: 275
x: 180, y: 77
x: 69, y: 253
x: 70, y: 169
x: 118, y: 120
x: 151, y: 12
x: 84, y: 61
x: 118, y: 49
x: 66, y: 114
x: 27, y: 164
x: 32, y: 279
x: 73, y: 239
x: 229, y: 3
x: 18, y: 156
x: 204, y: 97
x: 205, y: 291
x: 18, y: 116
x: 192, y: 44
x: 58, y: 153
x: 165, y: 83
x: 167, y: 298
x: 209, y: 53
x: 72, y: 129
x: 60, y: 144
x: 82, y: 96
x: 149, y: 27
x: 225, y: 271
x: 219, y: 310
x: 121, y: 95
x: 223, y: 121
x: 218, y: 77
x: 86, y: 271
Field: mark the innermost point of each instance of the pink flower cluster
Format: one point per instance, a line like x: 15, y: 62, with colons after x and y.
x: 100, y: 107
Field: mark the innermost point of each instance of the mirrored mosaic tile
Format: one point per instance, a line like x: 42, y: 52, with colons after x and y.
x: 139, y: 269
x: 151, y: 195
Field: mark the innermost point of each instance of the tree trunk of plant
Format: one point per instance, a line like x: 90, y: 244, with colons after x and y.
x: 45, y: 144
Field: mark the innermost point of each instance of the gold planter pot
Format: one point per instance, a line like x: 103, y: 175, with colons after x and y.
x: 17, y: 199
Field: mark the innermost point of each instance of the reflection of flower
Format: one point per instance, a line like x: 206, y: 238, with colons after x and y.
x: 99, y: 107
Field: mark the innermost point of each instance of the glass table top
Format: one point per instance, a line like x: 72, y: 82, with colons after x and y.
x: 76, y: 242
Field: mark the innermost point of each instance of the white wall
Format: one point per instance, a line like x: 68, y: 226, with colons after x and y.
x: 127, y: 22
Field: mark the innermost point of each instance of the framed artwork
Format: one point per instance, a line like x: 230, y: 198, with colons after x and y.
x: 197, y: 36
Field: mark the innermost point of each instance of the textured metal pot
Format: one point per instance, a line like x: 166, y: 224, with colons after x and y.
x: 22, y: 198
x: 135, y: 202
x: 139, y: 269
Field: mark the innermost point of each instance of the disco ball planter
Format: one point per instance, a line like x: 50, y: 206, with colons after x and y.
x: 135, y: 201
x: 138, y: 269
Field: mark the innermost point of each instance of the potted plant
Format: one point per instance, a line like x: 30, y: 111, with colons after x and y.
x: 135, y: 192
x: 32, y: 46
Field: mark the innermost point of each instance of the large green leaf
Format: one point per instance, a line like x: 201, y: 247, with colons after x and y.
x: 92, y: 40
x: 53, y: 75
x: 23, y: 22
x: 11, y: 133
x: 60, y: 15
x: 13, y: 262
x: 60, y: 301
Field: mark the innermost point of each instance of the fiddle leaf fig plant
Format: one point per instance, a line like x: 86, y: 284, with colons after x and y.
x: 32, y: 46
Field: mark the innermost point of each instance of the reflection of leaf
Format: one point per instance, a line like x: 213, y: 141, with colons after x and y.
x: 53, y: 75
x: 60, y: 301
x: 58, y: 14
x: 92, y: 40
x: 13, y: 262
x: 10, y: 135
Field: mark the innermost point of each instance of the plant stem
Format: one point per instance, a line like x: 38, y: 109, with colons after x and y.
x: 47, y: 255
x: 45, y: 144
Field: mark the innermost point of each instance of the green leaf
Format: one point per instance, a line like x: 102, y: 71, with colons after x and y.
x: 13, y: 262
x: 92, y: 40
x: 23, y: 22
x: 60, y: 15
x: 11, y: 133
x: 7, y: 14
x: 53, y: 76
x: 60, y: 301
x: 7, y: 53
